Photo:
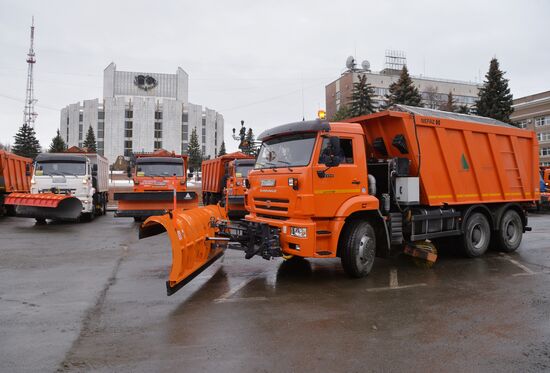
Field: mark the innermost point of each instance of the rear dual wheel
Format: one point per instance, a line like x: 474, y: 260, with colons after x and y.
x: 510, y: 231
x: 477, y: 235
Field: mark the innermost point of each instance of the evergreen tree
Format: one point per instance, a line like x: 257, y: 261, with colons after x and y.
x: 463, y: 109
x: 194, y: 152
x: 495, y: 99
x: 403, y: 91
x: 343, y: 113
x: 361, y: 97
x: 25, y: 143
x: 222, y: 150
x: 450, y: 104
x: 58, y: 144
x: 89, y: 143
x: 248, y: 147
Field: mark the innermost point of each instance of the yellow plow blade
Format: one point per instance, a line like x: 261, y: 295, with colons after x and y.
x: 194, y: 243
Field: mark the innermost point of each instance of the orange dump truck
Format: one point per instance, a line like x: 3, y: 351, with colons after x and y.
x: 15, y: 177
x: 215, y: 173
x: 160, y: 184
x: 404, y: 180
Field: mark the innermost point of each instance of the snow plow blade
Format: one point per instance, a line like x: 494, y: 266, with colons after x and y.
x: 145, y: 204
x: 194, y: 243
x: 45, y: 206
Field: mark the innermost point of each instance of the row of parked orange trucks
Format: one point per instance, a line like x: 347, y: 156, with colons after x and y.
x: 403, y: 180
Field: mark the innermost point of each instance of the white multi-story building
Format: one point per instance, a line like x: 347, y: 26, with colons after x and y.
x: 142, y: 112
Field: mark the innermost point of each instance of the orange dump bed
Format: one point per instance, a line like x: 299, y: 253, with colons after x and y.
x: 214, y: 169
x: 462, y: 159
x: 13, y: 173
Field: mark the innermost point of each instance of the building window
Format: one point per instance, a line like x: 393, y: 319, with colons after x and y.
x: 80, y: 129
x: 127, y: 148
x: 542, y: 121
x: 158, y: 114
x: 204, y: 122
x: 185, y: 117
x: 184, y: 147
x: 203, y: 150
x: 128, y: 129
x: 100, y: 115
x: 100, y: 130
x: 129, y: 114
x: 544, y: 152
x: 522, y: 123
x: 80, y: 116
x: 100, y: 147
x: 543, y: 136
x: 158, y: 145
x: 184, y: 132
x: 158, y: 130
x: 204, y: 135
x: 544, y: 164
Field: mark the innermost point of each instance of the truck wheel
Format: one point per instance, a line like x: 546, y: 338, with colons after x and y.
x: 358, y: 249
x: 510, y: 231
x: 477, y: 235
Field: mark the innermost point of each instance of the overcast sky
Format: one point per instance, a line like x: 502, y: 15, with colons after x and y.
x: 266, y: 62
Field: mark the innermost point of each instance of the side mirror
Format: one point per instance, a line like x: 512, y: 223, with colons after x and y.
x: 332, y: 155
x: 94, y: 170
x: 129, y: 172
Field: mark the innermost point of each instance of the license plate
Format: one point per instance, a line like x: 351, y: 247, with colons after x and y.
x: 267, y: 182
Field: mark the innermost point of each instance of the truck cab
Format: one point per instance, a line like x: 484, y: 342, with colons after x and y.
x: 159, y: 174
x: 160, y: 185
x: 300, y: 185
x: 70, y: 174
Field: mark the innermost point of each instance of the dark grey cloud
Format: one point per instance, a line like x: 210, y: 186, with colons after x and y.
x: 266, y: 62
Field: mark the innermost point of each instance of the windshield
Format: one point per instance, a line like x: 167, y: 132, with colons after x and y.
x: 160, y: 169
x: 284, y: 151
x: 242, y: 171
x: 61, y: 168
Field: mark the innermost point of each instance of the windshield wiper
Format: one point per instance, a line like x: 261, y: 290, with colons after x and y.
x: 287, y: 163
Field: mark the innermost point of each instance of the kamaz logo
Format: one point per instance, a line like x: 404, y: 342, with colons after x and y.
x: 268, y: 190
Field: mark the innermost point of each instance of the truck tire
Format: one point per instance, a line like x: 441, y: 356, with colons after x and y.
x: 510, y: 232
x: 358, y: 249
x: 477, y: 235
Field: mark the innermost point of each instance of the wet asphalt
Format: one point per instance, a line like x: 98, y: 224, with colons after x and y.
x: 91, y: 297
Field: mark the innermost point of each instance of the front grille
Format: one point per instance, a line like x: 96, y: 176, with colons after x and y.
x: 271, y: 204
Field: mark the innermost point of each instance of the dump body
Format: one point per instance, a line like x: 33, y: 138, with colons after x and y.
x: 458, y: 161
x: 160, y: 183
x: 14, y: 176
x: 13, y: 173
x: 213, y: 171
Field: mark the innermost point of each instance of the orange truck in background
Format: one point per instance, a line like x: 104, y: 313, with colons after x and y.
x: 215, y: 174
x: 235, y: 189
x: 407, y: 179
x: 160, y: 184
x: 15, y: 177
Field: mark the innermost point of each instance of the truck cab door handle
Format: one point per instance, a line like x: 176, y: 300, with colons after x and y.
x: 356, y: 182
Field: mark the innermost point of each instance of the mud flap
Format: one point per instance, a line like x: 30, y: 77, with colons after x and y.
x: 45, y: 206
x: 193, y: 238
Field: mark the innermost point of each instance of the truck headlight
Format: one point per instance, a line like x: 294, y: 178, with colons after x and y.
x: 293, y: 183
x: 299, y: 232
x: 85, y: 180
